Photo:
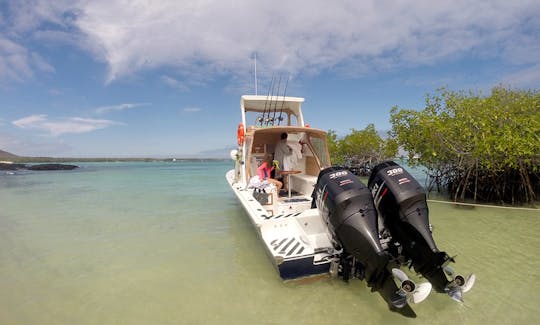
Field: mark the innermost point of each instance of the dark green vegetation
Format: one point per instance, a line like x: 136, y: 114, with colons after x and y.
x: 482, y: 147
x: 485, y: 148
x: 363, y: 148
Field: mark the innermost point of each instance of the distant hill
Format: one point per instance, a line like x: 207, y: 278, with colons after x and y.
x: 5, y: 154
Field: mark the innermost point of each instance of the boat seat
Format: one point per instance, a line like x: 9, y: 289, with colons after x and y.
x: 303, y: 183
x: 266, y: 196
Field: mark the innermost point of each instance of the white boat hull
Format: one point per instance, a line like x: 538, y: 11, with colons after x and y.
x: 295, y: 236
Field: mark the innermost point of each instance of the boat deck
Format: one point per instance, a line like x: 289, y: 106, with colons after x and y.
x: 292, y: 231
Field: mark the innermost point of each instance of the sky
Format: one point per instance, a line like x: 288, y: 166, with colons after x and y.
x: 116, y: 78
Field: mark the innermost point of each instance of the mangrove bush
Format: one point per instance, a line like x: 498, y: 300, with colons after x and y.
x: 482, y: 147
x: 360, y: 148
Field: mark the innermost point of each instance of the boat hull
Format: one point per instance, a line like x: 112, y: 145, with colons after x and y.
x: 287, y: 238
x: 302, y: 268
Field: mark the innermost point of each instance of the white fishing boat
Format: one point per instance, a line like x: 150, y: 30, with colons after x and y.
x: 328, y: 221
x: 295, y: 236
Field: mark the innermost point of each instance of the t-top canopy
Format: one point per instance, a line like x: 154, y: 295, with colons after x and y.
x: 279, y: 104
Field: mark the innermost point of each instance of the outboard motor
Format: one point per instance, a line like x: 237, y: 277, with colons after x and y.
x: 347, y: 207
x: 401, y: 201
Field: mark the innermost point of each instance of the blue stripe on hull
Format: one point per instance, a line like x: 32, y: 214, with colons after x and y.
x: 294, y: 269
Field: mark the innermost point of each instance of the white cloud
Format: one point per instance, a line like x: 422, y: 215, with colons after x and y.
x: 175, y: 83
x: 197, y: 39
x: 31, y: 121
x: 20, y: 20
x: 119, y: 107
x: 24, y: 16
x: 62, y: 126
x: 55, y: 92
x: 192, y: 109
x: 214, y: 37
x: 524, y: 77
x: 18, y: 63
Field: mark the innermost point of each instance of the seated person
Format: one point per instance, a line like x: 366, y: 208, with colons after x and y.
x: 264, y: 172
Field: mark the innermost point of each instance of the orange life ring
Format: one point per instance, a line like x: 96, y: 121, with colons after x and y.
x: 240, y: 134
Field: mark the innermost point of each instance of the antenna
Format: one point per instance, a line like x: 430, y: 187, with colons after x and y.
x: 256, y: 73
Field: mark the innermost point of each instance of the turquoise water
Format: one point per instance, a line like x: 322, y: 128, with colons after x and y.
x: 167, y: 243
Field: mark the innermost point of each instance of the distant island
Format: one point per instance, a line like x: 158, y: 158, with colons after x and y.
x: 14, y: 163
x: 7, y: 157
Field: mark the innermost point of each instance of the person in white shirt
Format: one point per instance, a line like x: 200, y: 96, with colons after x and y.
x: 281, y: 151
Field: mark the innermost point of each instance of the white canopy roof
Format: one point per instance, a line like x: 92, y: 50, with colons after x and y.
x: 287, y: 105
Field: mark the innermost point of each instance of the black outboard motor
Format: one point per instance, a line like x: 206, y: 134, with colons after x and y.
x: 401, y: 201
x: 347, y: 207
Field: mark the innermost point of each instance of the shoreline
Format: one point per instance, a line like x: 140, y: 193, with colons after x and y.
x: 98, y: 159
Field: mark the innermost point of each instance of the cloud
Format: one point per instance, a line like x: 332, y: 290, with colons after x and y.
x: 120, y: 107
x: 30, y: 121
x: 174, y: 83
x: 197, y: 39
x: 214, y: 37
x: 18, y: 63
x: 19, y: 21
x: 192, y: 109
x: 62, y: 126
x: 55, y: 92
x: 524, y: 77
x: 24, y: 16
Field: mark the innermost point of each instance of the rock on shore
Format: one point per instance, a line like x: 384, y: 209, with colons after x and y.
x: 6, y: 166
x: 52, y: 167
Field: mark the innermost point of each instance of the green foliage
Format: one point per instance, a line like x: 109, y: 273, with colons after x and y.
x: 464, y: 137
x: 360, y: 147
x: 333, y: 147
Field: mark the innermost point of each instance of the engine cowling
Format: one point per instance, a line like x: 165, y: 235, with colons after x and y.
x: 347, y: 207
x: 401, y: 201
x: 398, y: 195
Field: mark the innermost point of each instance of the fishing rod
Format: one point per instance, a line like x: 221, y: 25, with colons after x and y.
x: 275, y: 105
x: 261, y: 118
x: 267, y: 120
x: 283, y: 101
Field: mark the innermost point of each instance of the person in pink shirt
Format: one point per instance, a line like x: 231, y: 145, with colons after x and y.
x: 264, y: 171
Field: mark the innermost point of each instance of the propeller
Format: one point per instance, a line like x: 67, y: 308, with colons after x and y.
x: 459, y: 284
x: 414, y: 293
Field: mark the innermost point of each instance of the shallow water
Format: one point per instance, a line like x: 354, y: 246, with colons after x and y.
x: 167, y: 243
